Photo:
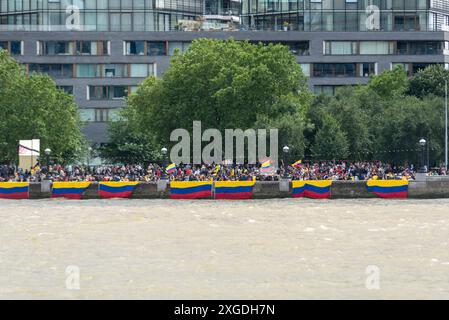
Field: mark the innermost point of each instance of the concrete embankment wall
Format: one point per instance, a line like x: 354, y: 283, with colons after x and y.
x: 431, y: 188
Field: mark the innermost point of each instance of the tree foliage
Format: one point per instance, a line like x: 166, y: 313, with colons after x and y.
x: 234, y: 84
x: 430, y: 80
x: 225, y: 84
x: 330, y: 141
x: 381, y: 123
x: 128, y: 145
x: 31, y: 107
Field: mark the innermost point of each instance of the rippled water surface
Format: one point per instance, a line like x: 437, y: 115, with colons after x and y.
x: 261, y: 249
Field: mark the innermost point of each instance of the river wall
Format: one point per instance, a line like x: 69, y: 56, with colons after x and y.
x: 430, y: 188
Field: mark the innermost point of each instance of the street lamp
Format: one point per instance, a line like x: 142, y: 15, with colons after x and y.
x: 286, y: 149
x: 164, y: 163
x: 422, y: 143
x: 89, y: 154
x: 47, y: 155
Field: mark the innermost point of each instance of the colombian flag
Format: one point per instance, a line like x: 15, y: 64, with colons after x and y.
x: 70, y: 190
x: 266, y: 167
x: 299, y: 188
x: 14, y: 190
x: 388, y: 189
x: 297, y: 164
x: 190, y: 189
x: 318, y: 189
x: 171, y: 168
x: 234, y: 189
x: 110, y: 189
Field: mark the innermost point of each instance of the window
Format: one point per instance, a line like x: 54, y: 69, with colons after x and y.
x: 66, y: 89
x: 51, y: 48
x: 13, y: 47
x: 340, y: 48
x: 99, y: 114
x: 157, y: 48
x: 419, y: 47
x: 87, y: 115
x: 86, y: 71
x: 376, y: 47
x: 327, y: 90
x: 358, y: 47
x: 305, y: 67
x: 118, y: 70
x: 299, y: 48
x: 334, y: 69
x: 135, y: 48
x: 115, y: 71
x: 53, y: 70
x: 153, y: 48
x: 367, y: 69
x: 344, y: 69
x: 107, y: 92
x: 140, y: 70
x: 181, y: 46
x: 91, y: 48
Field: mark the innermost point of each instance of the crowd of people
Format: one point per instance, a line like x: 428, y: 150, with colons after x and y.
x: 326, y: 170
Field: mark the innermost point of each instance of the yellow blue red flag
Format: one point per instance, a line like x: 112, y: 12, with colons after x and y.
x: 171, y: 168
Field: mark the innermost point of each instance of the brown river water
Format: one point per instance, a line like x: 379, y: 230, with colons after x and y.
x: 257, y: 249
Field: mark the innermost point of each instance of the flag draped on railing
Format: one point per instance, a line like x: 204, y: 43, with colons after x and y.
x: 190, y: 189
x: 234, y: 189
x: 69, y: 190
x: 388, y: 189
x: 109, y: 189
x: 14, y: 190
x: 314, y: 189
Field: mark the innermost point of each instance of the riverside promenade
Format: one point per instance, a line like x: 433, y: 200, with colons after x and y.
x: 429, y: 188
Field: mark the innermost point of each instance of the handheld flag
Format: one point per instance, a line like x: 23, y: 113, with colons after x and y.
x: 171, y: 169
x: 297, y: 164
x: 266, y: 167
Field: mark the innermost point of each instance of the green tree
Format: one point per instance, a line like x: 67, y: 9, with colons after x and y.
x: 355, y: 122
x: 390, y: 83
x: 430, y: 80
x: 31, y: 107
x: 330, y: 142
x: 225, y: 84
x: 405, y: 121
x: 128, y: 145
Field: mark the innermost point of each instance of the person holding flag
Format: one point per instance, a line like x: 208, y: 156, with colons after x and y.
x: 267, y: 167
x: 297, y: 164
x: 171, y: 169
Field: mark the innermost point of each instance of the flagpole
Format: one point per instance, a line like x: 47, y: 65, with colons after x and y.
x: 446, y: 129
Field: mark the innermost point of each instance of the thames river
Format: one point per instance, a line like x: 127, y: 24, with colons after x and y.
x: 258, y: 249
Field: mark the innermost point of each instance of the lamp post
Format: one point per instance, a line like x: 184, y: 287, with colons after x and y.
x: 445, y: 127
x: 422, y: 143
x: 47, y: 155
x: 89, y: 154
x: 286, y: 149
x: 164, y: 163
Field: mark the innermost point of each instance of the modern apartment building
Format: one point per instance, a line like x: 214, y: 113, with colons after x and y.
x: 100, y: 50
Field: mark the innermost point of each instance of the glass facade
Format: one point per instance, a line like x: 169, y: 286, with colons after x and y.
x: 97, y: 15
x: 338, y: 15
x: 166, y: 15
x: 223, y: 7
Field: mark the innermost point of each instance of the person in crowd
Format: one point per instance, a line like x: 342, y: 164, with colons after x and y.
x: 313, y: 170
